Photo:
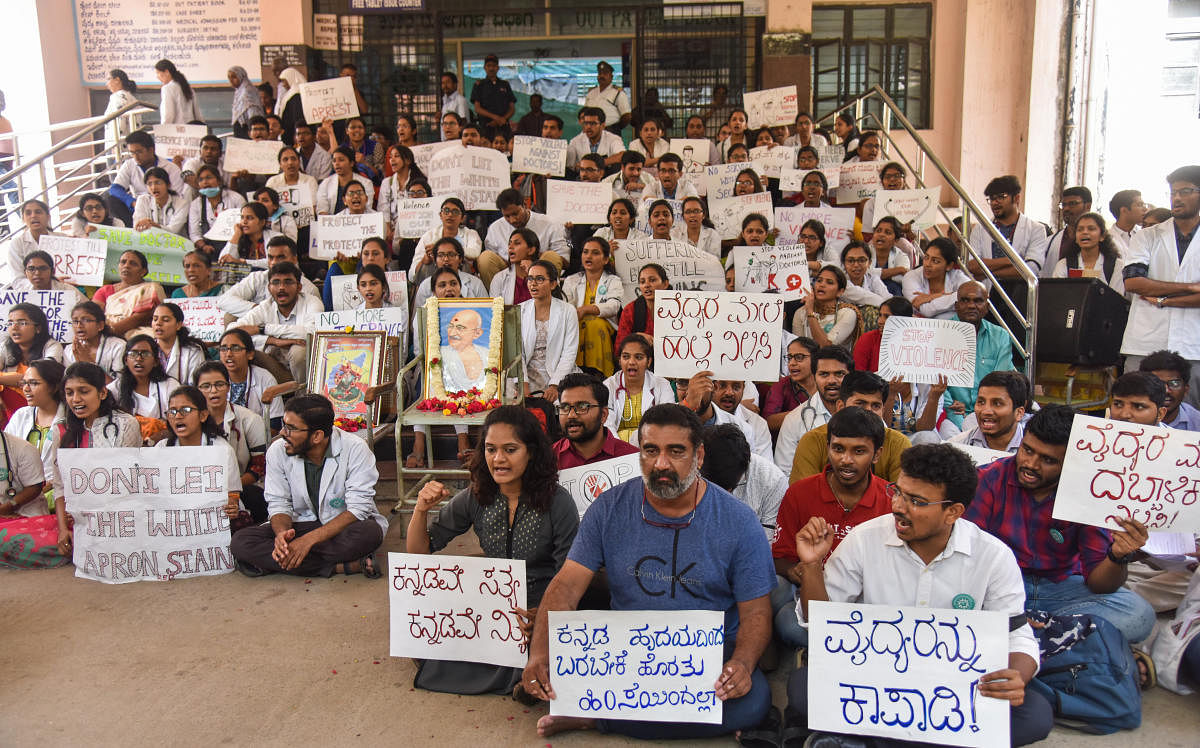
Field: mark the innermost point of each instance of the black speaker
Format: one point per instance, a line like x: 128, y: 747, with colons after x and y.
x: 1080, y: 321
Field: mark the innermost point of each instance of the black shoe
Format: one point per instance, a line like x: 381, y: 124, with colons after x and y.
x: 248, y: 569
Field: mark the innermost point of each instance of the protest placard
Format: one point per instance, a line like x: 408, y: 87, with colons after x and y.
x: 389, y: 319
x: 221, y: 228
x: 475, y: 175
x: 297, y: 200
x: 694, y: 153
x: 830, y: 156
x: 771, y: 107
x: 919, y: 350
x: 332, y: 98
x: 578, y: 202
x: 781, y: 269
x: 770, y: 160
x: 457, y: 608
x: 918, y: 207
x: 586, y: 482
x: 148, y: 514
x: 688, y: 268
x: 532, y: 155
x: 907, y: 673
x: 981, y: 456
x: 645, y: 665
x: 727, y: 213
x: 344, y: 233
x: 424, y: 153
x: 416, y: 215
x: 733, y: 335
x: 178, y: 140
x: 203, y: 318
x: 858, y: 181
x: 719, y: 179
x: 642, y: 222
x: 57, y: 304
x: 838, y: 223
x: 344, y: 289
x: 252, y: 156
x: 77, y: 260
x: 1118, y: 470
x: 792, y: 180
x: 164, y: 252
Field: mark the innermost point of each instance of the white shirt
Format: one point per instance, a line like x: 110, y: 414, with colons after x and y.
x: 348, y: 478
x: 469, y: 239
x: 201, y: 208
x: 182, y: 362
x: 1122, y: 238
x: 455, y: 102
x: 612, y: 100
x: 757, y: 432
x: 634, y: 235
x: 609, y: 291
x: 655, y: 391
x: 1116, y: 282
x: 470, y: 285
x: 318, y: 165
x: 118, y: 429
x: 709, y: 241
x: 550, y: 235
x: 1029, y: 241
x: 328, y: 189
x: 171, y: 216
x: 1174, y: 328
x: 278, y: 325
x: 110, y: 355
x: 802, y: 419
x: 609, y: 145
x: 976, y: 438
x: 22, y: 420
x: 872, y: 292
x: 562, y: 338
x: 26, y: 470
x: 154, y: 403
x: 252, y: 290
x: 650, y: 187
x: 176, y: 109
x: 762, y: 488
x: 914, y: 282
x: 248, y: 433
x: 133, y: 177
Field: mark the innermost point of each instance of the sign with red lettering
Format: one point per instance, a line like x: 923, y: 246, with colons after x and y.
x: 458, y: 608
x: 586, y: 482
x: 332, y: 98
x: 76, y: 260
x: 781, y: 269
x: 921, y: 350
x: 474, y: 175
x: 578, y: 202
x: 733, y: 335
x: 1118, y: 470
x: 838, y: 224
x: 771, y: 108
x: 858, y: 181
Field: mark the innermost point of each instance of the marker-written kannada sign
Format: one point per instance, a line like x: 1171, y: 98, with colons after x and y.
x: 651, y: 666
x: 919, y: 350
x: 1118, y: 470
x: 344, y: 233
x: 57, y: 304
x: 772, y: 107
x: 781, y: 269
x: 578, y: 202
x: 332, y: 98
x: 204, y: 319
x: 733, y: 335
x: 457, y: 608
x: 534, y: 155
x: 858, y: 181
x: 838, y: 223
x: 475, y: 175
x: 164, y: 252
x: 688, y: 268
x: 586, y: 482
x: 906, y: 673
x: 727, y: 213
x: 252, y: 156
x: 148, y: 514
x: 80, y: 260
x: 178, y: 140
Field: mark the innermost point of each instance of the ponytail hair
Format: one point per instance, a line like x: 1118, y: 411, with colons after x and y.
x: 166, y: 66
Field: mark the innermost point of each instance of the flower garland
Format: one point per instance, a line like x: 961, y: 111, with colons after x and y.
x: 462, y: 402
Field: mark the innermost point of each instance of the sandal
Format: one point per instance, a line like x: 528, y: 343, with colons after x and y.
x: 766, y: 734
x: 795, y: 732
x: 1147, y: 673
x: 415, y: 461
x: 365, y: 566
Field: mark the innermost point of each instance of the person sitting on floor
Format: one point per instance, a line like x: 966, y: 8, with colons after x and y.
x: 582, y: 413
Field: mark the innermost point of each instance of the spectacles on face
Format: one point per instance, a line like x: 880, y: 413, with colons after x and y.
x: 1071, y: 204
x: 895, y: 492
x: 283, y: 282
x: 1174, y: 384
x: 37, y: 268
x: 139, y: 355
x: 693, y: 212
x: 231, y: 348
x: 536, y: 279
x: 83, y: 321
x: 186, y: 410
x: 288, y: 428
x: 999, y: 197
x: 446, y: 255
x: 796, y: 357
x: 566, y: 409
x: 213, y: 386
x: 451, y: 212
x: 28, y: 384
x: 20, y: 323
x: 1184, y: 192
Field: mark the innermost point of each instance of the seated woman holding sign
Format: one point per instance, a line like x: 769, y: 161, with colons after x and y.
x: 27, y: 340
x: 190, y: 425
x: 38, y: 275
x: 826, y: 319
x: 451, y: 214
x: 248, y: 245
x: 129, y: 302
x: 401, y: 172
x: 197, y: 269
x: 212, y: 202
x: 596, y: 295
x: 517, y: 509
x: 279, y: 220
x: 661, y: 219
x: 92, y: 212
x: 696, y: 229
x: 292, y: 177
x: 162, y: 207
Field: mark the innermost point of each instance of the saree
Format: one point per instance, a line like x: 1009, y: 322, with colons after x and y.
x: 119, y: 304
x: 30, y: 543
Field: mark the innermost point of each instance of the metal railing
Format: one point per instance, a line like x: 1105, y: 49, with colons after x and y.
x: 1026, y: 343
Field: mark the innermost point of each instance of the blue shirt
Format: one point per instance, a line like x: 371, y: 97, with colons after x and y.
x: 993, y: 352
x: 1188, y: 418
x: 720, y: 559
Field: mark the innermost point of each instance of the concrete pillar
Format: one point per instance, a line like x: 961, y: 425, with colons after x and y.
x: 785, y: 55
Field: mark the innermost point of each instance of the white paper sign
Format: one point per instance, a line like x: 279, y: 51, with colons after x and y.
x: 57, y: 304
x: 642, y: 223
x: 532, y: 155
x: 252, y: 156
x: 921, y: 349
x: 148, y: 514
x: 981, y: 456
x: 781, y: 269
x: 344, y: 233
x: 457, y: 608
x: 79, y: 260
x: 771, y: 160
x: 475, y: 175
x: 838, y: 223
x: 830, y: 156
x: 586, y: 482
x: 727, y: 213
x: 858, y: 181
x: 423, y: 154
x: 650, y: 666
x: 346, y: 296
x: 733, y: 335
x: 792, y: 180
x: 1117, y: 470
x: 918, y: 207
x: 178, y: 140
x: 578, y: 202
x: 906, y: 673
x: 221, y: 228
x: 297, y: 199
x: 719, y: 179
x: 694, y: 152
x: 392, y: 320
x: 332, y: 98
x: 204, y: 320
x: 772, y: 107
x: 688, y: 268
x: 416, y: 215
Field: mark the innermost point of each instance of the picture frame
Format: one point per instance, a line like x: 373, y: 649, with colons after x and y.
x: 344, y: 366
x: 463, y: 364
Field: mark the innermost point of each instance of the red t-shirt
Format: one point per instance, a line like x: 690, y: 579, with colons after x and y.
x: 812, y: 497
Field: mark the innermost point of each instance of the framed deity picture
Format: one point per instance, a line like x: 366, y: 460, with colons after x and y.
x: 344, y: 366
x: 463, y: 346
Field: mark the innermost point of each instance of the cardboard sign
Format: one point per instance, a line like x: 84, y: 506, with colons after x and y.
x: 981, y: 456
x: 694, y: 152
x: 919, y: 350
x: 918, y: 207
x: 56, y: 304
x: 830, y: 156
x: 178, y: 140
x: 532, y: 155
x: 578, y: 202
x: 770, y: 160
x: 148, y: 514
x: 858, y: 181
x: 727, y: 213
x: 204, y: 320
x: 688, y: 268
x: 1117, y: 470
x: 457, y: 608
x: 416, y: 215
x: 424, y: 153
x: 475, y: 175
x: 344, y: 233
x: 164, y: 252
x: 332, y: 98
x: 733, y: 335
x: 297, y: 200
x: 838, y: 223
x: 906, y: 673
x: 781, y: 269
x: 76, y: 260
x: 392, y: 320
x: 252, y: 156
x: 345, y: 290
x: 772, y: 107
x: 221, y: 228
x: 792, y: 180
x: 651, y: 666
x: 719, y: 179
x: 642, y: 223
x: 586, y: 482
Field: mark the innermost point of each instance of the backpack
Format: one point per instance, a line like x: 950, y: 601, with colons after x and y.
x: 1088, y: 674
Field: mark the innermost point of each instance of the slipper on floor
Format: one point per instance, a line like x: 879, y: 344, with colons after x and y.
x: 766, y: 734
x: 1148, y: 679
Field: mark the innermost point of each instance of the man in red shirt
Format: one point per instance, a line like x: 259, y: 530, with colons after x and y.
x: 846, y: 494
x: 582, y: 410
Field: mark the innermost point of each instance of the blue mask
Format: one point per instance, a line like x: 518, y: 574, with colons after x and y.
x: 210, y: 191
x: 277, y: 213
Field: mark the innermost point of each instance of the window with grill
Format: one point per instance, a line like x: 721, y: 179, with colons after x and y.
x: 857, y: 47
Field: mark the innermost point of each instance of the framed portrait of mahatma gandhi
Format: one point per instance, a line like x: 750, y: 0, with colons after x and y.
x: 463, y: 346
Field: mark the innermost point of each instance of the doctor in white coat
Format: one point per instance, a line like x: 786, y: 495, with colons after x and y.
x: 1028, y: 236
x: 549, y: 332
x: 634, y: 389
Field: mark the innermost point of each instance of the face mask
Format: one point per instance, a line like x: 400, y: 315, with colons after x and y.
x: 210, y: 191
x: 277, y: 214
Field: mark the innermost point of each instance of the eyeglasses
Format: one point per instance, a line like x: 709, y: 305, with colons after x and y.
x: 1071, y: 204
x: 797, y: 357
x: 212, y: 386
x: 288, y: 428
x: 446, y: 255
x: 29, y: 383
x: 1184, y: 192
x: 83, y: 321
x: 37, y: 268
x: 894, y: 492
x: 20, y: 323
x: 186, y: 410
x: 536, y: 279
x: 139, y: 355
x: 231, y: 348
x: 857, y: 260
x: 1174, y: 384
x: 566, y: 409
x: 451, y: 212
x: 693, y: 212
x: 998, y: 197
x: 667, y: 525
x: 283, y: 282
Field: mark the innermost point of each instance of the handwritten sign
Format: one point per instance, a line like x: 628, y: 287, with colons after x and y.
x: 578, y: 202
x: 688, y: 268
x: 392, y: 320
x: 586, y: 482
x: 770, y: 160
x: 782, y: 269
x: 457, y: 608
x: 792, y: 180
x: 164, y: 252
x: 858, y: 181
x: 719, y: 179
x: 344, y: 233
x: 332, y: 98
x: 1117, y: 470
x: 642, y: 223
x: 838, y: 223
x: 727, y: 213
x: 830, y: 156
x: 252, y: 156
x: 918, y: 207
x: 56, y: 304
x: 424, y: 153
x: 772, y: 107
x: 652, y: 666
x: 475, y: 175
x: 204, y: 320
x: 297, y: 199
x: 694, y: 152
x: 415, y: 215
x: 178, y: 140
x: 346, y: 296
x: 906, y: 673
x: 534, y: 155
x: 148, y: 514
x: 733, y: 335
x: 80, y: 260
x: 981, y: 456
x: 221, y: 228
x: 919, y: 350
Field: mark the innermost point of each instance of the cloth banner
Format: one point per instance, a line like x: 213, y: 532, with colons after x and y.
x: 164, y: 252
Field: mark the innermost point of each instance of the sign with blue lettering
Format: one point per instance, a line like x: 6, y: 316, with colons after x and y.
x: 906, y: 673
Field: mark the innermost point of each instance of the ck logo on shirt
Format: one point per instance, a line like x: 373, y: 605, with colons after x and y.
x: 653, y: 579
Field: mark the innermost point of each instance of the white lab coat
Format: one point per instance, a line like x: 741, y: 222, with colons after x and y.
x: 176, y: 109
x: 1029, y: 241
x: 913, y: 282
x: 171, y: 216
x: 655, y: 391
x: 328, y: 189
x: 608, y: 294
x: 562, y: 337
x: 21, y: 423
x: 1149, y: 328
x: 348, y: 477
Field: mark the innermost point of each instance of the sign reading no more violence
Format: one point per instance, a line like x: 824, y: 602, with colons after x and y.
x: 919, y: 350
x: 733, y: 335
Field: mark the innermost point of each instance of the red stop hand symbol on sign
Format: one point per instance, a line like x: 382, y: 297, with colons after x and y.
x: 595, y: 484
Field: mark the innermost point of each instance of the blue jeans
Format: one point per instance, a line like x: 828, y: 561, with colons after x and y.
x: 737, y: 714
x: 1124, y: 608
x: 783, y: 605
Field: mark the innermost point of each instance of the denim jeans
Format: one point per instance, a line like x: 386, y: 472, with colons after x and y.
x: 783, y: 605
x: 1124, y: 609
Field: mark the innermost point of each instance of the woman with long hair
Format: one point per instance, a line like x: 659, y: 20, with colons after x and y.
x: 35, y: 214
x: 517, y: 510
x: 214, y: 199
x: 28, y: 339
x: 864, y: 286
x: 299, y: 188
x: 826, y: 319
x: 649, y: 142
x: 143, y: 387
x: 737, y: 133
x: 812, y: 236
x: 179, y: 353
x: 121, y: 93
x: 620, y: 228
x: 93, y: 341
x: 246, y: 101
x: 279, y: 221
x: 394, y: 189
x: 190, y: 425
x: 92, y: 210
x: 249, y: 385
x: 523, y: 248
x: 332, y: 191
x: 933, y: 288
x: 452, y: 225
x: 890, y: 260
x: 696, y: 229
x: 161, y: 207
x: 595, y: 292
x: 372, y: 284
x: 38, y: 275
x: 374, y: 251
x: 550, y: 332
x: 178, y: 105
x: 368, y: 156
x: 250, y: 236
x: 33, y: 422
x: 747, y: 183
x: 634, y: 389
x: 847, y: 131
x: 661, y: 219
x: 636, y: 317
x: 1094, y: 254
x: 406, y: 130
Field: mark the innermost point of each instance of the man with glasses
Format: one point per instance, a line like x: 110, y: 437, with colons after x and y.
x: 699, y: 393
x: 252, y: 290
x: 279, y: 325
x: 512, y: 209
x: 582, y: 411
x: 320, y: 490
x: 594, y: 139
x: 921, y: 555
x: 670, y: 540
x: 673, y: 185
x: 993, y: 350
x: 1075, y: 202
x: 1175, y: 373
x: 1027, y: 237
x: 448, y: 253
x: 830, y: 366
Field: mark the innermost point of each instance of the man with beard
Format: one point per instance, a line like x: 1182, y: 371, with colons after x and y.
x: 730, y: 395
x: 670, y: 540
x: 993, y: 349
x: 1175, y: 373
x: 582, y: 411
x: 1015, y: 502
x: 320, y: 491
x: 281, y: 323
x: 999, y: 412
x: 698, y: 393
x: 830, y: 366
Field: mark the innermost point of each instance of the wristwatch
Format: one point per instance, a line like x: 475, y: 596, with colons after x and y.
x: 1159, y: 302
x: 262, y: 329
x: 1122, y: 560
